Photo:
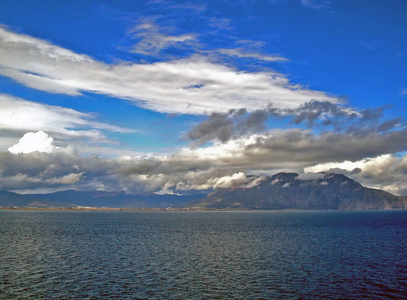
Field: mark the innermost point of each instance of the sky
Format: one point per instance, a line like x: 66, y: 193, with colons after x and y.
x: 175, y: 97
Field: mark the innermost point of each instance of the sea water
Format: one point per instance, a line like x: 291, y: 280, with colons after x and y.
x: 202, y: 255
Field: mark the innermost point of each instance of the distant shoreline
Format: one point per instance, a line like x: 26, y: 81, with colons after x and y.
x: 178, y: 209
x: 138, y: 209
x: 90, y: 209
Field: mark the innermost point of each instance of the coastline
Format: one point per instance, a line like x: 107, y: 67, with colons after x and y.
x: 140, y: 209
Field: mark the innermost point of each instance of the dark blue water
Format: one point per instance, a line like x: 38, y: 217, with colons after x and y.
x: 200, y: 255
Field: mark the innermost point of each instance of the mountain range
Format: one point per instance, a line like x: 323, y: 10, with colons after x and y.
x: 285, y: 191
x: 282, y: 191
x: 95, y: 199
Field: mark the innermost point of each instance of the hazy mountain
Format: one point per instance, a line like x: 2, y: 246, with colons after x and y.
x: 120, y: 199
x: 10, y: 199
x: 72, y: 198
x: 291, y: 191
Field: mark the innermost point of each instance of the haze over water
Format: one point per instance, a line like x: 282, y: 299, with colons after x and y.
x: 130, y: 255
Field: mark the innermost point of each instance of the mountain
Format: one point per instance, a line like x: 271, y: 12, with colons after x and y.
x: 71, y: 198
x: 285, y: 191
x: 278, y: 192
x: 120, y: 199
x: 10, y: 199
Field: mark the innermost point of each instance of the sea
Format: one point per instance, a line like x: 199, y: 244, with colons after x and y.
x: 203, y: 255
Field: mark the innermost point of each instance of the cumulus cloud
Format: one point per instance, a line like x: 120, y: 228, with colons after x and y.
x: 33, y: 141
x: 194, y: 85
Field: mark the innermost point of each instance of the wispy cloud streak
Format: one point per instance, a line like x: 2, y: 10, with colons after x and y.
x: 193, y: 86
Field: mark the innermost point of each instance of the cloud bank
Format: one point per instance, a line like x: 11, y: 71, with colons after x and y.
x: 216, y: 166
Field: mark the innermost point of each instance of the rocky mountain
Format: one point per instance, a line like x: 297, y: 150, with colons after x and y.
x: 286, y: 191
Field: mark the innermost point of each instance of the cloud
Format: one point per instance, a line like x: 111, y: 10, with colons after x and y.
x: 389, y: 124
x: 214, y: 166
x: 152, y: 40
x: 310, y: 176
x: 240, y: 53
x: 218, y: 126
x: 194, y: 168
x: 224, y: 126
x: 19, y: 116
x: 315, y: 114
x: 59, y: 169
x: 227, y: 181
x: 33, y: 141
x: 385, y: 171
x: 66, y: 179
x: 193, y: 86
x: 315, y: 4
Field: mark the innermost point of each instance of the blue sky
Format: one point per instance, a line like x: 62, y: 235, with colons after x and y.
x: 193, y: 95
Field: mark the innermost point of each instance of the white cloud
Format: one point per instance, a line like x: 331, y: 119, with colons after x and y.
x: 18, y: 115
x: 227, y: 181
x: 386, y: 172
x: 66, y: 179
x: 255, y: 182
x: 367, y: 165
x: 345, y: 165
x: 249, y: 54
x: 152, y: 40
x: 316, y: 4
x: 193, y: 86
x: 33, y: 141
x: 310, y: 176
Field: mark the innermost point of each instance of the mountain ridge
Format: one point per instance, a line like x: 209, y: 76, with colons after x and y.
x: 283, y: 191
x: 94, y: 199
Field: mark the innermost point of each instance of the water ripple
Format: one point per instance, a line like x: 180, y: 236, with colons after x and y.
x: 198, y: 255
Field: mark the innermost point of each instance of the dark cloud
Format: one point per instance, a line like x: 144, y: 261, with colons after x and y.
x: 53, y: 170
x: 314, y: 111
x: 218, y: 126
x: 202, y: 167
x: 279, y: 149
x: 321, y: 114
x: 224, y: 126
x: 385, y: 126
